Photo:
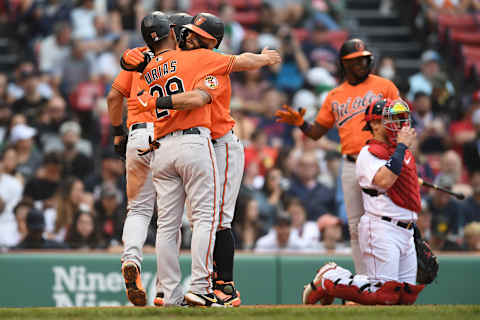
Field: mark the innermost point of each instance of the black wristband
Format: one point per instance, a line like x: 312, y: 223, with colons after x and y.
x: 118, y: 131
x: 395, y: 162
x: 305, y: 126
x: 164, y: 102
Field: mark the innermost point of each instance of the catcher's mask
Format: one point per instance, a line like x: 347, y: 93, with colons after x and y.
x: 155, y: 27
x: 352, y: 49
x: 396, y: 115
x: 206, y: 25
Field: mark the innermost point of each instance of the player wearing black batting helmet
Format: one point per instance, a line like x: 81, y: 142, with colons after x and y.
x: 180, y: 20
x: 155, y: 27
x: 355, y: 60
x: 205, y: 25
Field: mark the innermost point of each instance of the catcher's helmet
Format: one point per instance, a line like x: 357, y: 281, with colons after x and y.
x: 208, y: 26
x: 353, y: 48
x: 179, y: 20
x: 155, y: 27
x: 375, y: 112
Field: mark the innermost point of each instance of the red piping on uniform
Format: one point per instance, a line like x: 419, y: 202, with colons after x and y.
x: 214, y: 213
x: 370, y: 245
x: 224, y: 187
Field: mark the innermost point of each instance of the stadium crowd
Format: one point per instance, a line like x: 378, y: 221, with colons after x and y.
x: 62, y: 186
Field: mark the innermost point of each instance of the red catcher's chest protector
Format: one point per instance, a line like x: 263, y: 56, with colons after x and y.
x: 405, y: 192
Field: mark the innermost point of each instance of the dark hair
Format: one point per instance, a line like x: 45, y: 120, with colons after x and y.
x: 420, y: 94
x: 75, y: 240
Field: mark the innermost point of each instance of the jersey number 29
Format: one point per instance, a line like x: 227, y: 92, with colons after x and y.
x: 172, y: 85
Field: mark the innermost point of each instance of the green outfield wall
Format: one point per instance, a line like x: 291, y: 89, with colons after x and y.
x: 30, y: 280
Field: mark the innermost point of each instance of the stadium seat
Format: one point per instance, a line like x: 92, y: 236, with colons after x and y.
x: 247, y: 18
x: 464, y: 37
x: 461, y: 22
x: 246, y: 4
x: 337, y: 38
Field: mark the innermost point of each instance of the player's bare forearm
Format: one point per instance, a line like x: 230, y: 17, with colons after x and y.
x: 190, y: 100
x: 115, y: 107
x: 384, y: 178
x: 314, y: 130
x: 249, y: 61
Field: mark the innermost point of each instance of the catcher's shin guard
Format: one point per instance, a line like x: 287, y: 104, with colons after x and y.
x: 387, y: 294
x: 409, y: 293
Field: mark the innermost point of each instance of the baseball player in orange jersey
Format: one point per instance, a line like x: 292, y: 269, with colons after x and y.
x: 344, y: 107
x: 172, y: 72
x: 140, y: 191
x: 387, y: 173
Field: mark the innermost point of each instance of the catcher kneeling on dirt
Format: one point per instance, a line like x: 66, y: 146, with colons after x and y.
x: 387, y: 174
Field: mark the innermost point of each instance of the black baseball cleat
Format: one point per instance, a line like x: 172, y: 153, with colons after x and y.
x: 203, y: 300
x: 227, y: 292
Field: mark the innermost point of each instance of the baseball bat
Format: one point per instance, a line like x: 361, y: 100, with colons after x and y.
x: 457, y: 195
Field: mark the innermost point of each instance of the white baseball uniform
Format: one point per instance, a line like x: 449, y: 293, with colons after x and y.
x: 388, y: 250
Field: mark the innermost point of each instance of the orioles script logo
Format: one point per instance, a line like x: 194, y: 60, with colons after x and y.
x: 345, y: 111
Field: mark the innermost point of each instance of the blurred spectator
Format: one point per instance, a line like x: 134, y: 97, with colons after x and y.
x: 112, y: 172
x: 422, y: 81
x: 29, y: 157
x: 319, y: 50
x: 234, y: 32
x: 442, y: 100
x: 463, y: 131
x: 278, y: 133
x: 472, y: 236
x: 83, y: 20
x: 21, y: 211
x: 9, y: 163
x: 10, y: 194
x: 446, y: 212
x: 290, y: 74
x: 32, y: 101
x: 74, y: 69
x: 110, y: 215
x: 48, y: 125
x: 54, y: 48
x: 16, y: 89
x: 268, y: 21
x: 280, y: 238
x: 471, y: 206
x: 45, y: 183
x: 307, y: 231
x: 270, y: 197
x: 34, y: 238
x: 249, y: 89
x: 83, y: 233
x: 424, y: 221
x: 3, y: 89
x: 471, y: 150
x: 260, y: 152
x: 125, y: 15
x: 75, y: 153
x: 433, y: 8
x: 247, y: 226
x: 331, y: 235
x: 316, y: 198
x: 70, y: 196
x: 52, y: 12
x: 386, y: 67
x: 451, y: 164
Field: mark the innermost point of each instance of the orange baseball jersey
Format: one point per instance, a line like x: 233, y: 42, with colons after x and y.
x: 345, y: 107
x: 220, y: 90
x: 176, y: 71
x: 126, y: 83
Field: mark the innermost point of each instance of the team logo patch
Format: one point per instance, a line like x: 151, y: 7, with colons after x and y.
x: 211, y: 82
x: 154, y: 35
x: 359, y: 46
x: 199, y: 20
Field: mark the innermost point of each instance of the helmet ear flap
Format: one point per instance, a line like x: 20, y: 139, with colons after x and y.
x: 182, y: 43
